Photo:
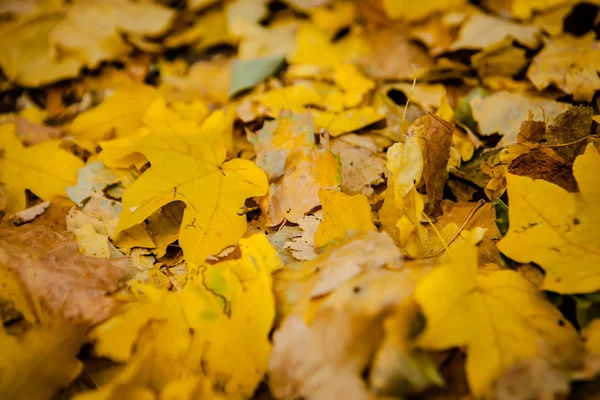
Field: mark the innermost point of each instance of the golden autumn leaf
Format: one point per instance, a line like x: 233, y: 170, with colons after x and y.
x: 570, y: 63
x: 500, y: 317
x: 87, y: 33
x: 297, y: 168
x: 41, y: 361
x: 27, y: 168
x: 118, y: 116
x: 190, y: 166
x: 342, y: 213
x: 201, y: 325
x: 556, y: 229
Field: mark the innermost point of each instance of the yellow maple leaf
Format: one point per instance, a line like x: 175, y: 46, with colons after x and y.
x: 342, y: 213
x: 500, y: 317
x: 190, y: 166
x: 558, y: 230
x: 202, y: 324
x: 37, y: 364
x: 119, y: 115
x: 45, y: 169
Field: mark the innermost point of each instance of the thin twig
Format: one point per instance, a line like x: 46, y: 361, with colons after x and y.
x: 470, y: 216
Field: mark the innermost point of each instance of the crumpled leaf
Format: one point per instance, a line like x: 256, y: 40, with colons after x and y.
x: 117, y: 116
x: 500, y: 317
x: 301, y: 239
x: 92, y: 178
x: 570, y: 63
x: 342, y: 213
x: 502, y: 113
x: 571, y: 126
x: 30, y: 214
x: 297, y: 168
x: 190, y: 166
x: 57, y: 280
x: 278, y: 138
x: 87, y: 33
x: 556, y: 229
x: 40, y: 362
x: 202, y: 323
x: 434, y: 137
x: 27, y: 168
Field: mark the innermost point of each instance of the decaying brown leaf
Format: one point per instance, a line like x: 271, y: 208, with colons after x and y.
x: 58, y: 281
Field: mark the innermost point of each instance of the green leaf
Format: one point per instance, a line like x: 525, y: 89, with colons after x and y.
x: 246, y: 74
x: 501, y: 216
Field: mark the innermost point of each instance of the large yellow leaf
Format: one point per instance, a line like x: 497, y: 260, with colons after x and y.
x: 45, y: 169
x: 411, y: 10
x: 119, y: 115
x: 37, y: 364
x: 500, y: 317
x: 189, y: 166
x: 217, y: 326
x: 570, y: 63
x: 342, y: 213
x: 558, y: 230
x: 87, y: 33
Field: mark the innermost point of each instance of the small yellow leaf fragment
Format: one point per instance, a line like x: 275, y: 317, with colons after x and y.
x: 342, y: 213
x: 91, y: 243
x: 591, y: 334
x: 45, y: 169
x: 499, y: 316
x: 337, y: 123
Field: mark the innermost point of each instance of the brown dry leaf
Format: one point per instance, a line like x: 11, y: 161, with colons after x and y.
x: 572, y: 126
x: 503, y: 112
x: 570, y: 63
x: 58, y: 281
x: 542, y: 164
x: 533, y: 378
x: 31, y: 132
x: 434, y: 136
x: 379, y: 64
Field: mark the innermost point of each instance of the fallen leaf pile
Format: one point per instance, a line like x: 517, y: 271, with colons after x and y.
x: 299, y: 199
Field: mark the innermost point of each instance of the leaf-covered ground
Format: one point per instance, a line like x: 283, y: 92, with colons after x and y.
x: 299, y: 199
